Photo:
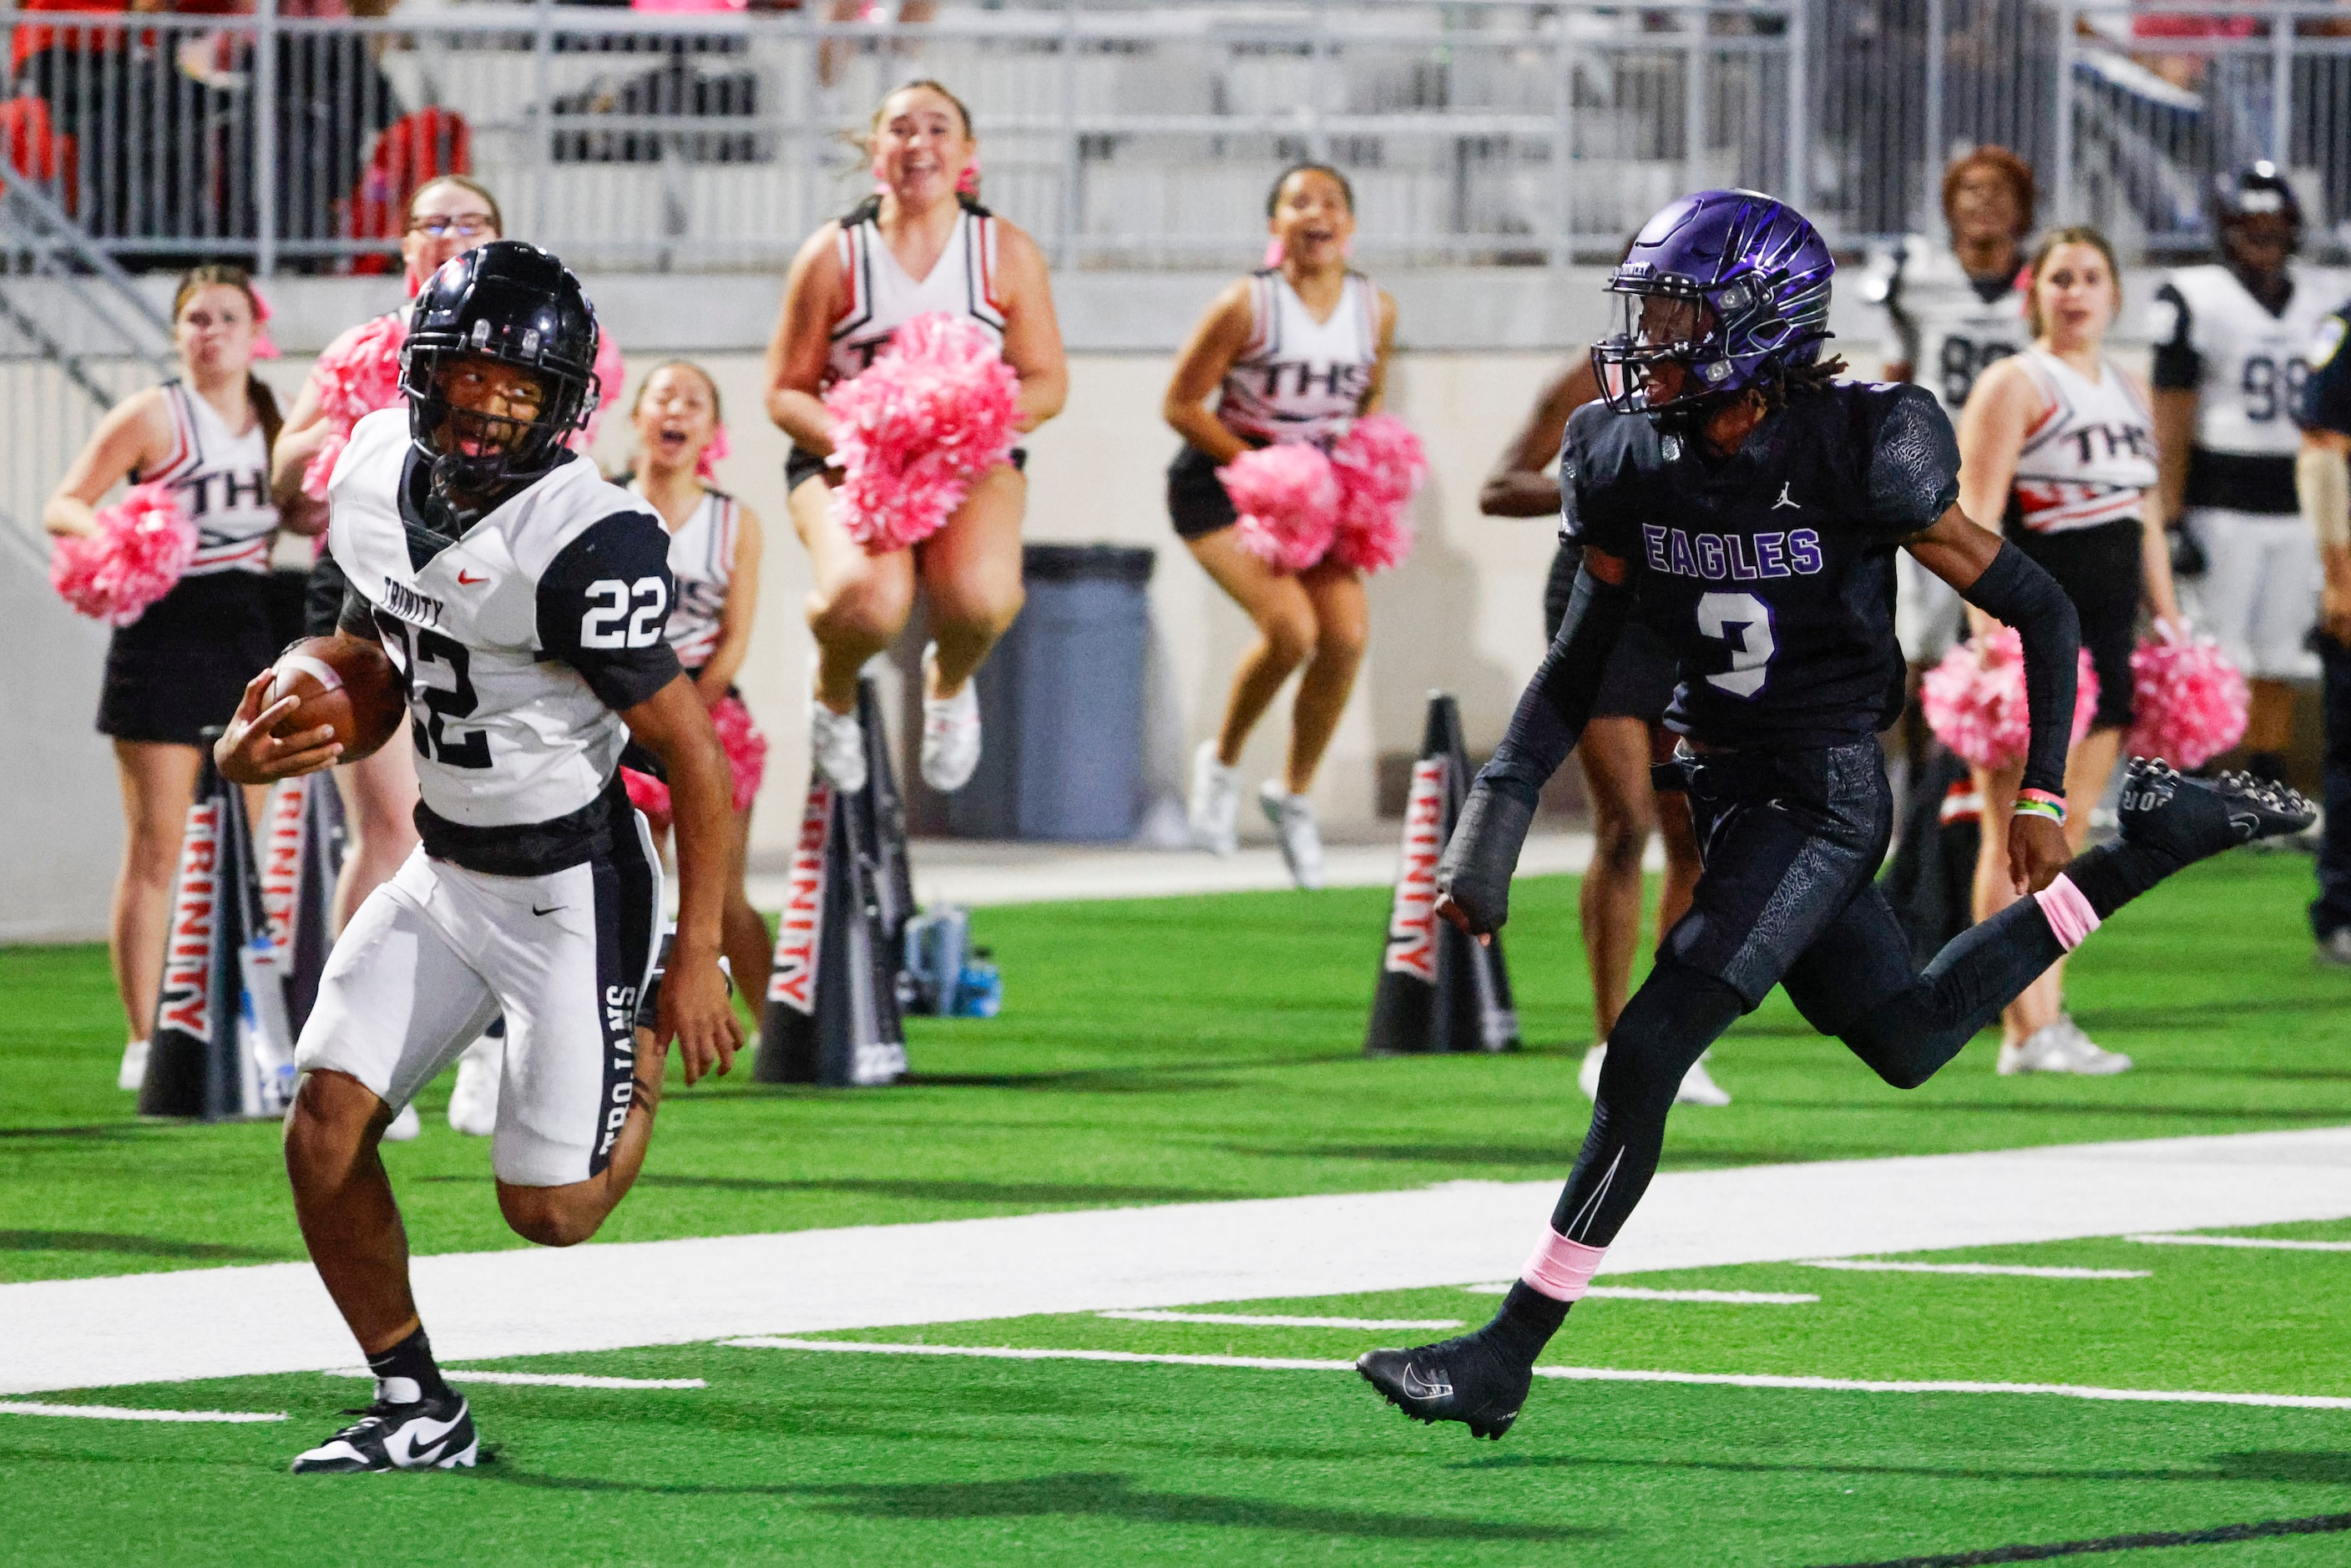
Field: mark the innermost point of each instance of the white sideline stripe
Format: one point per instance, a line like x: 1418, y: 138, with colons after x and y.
x: 1259, y: 1320
x: 122, y: 1413
x: 272, y: 1318
x: 1586, y: 1374
x: 1641, y: 1293
x: 2280, y: 1245
x: 2020, y: 1270
x: 543, y: 1379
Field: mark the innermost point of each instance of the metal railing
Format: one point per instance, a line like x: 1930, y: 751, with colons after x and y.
x: 1121, y: 133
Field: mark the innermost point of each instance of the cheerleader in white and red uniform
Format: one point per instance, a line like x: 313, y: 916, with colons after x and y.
x: 1292, y: 352
x: 923, y: 244
x: 184, y: 662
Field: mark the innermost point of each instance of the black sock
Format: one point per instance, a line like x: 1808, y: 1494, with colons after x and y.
x: 1526, y: 1323
x: 2111, y: 875
x: 412, y: 1358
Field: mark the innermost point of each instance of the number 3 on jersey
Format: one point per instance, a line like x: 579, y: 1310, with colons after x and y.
x: 623, y: 614
x: 1744, y: 621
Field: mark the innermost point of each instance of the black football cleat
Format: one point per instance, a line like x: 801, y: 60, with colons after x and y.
x: 2186, y: 819
x: 1464, y: 1379
x: 424, y: 1435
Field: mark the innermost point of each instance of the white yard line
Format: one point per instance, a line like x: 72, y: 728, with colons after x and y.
x: 1270, y: 1320
x: 543, y: 1379
x: 2257, y: 1241
x: 523, y: 1301
x: 1639, y: 1293
x: 2014, y: 1270
x: 1581, y: 1373
x: 122, y: 1413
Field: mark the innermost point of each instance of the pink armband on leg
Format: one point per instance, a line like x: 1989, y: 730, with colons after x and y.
x: 1560, y: 1269
x: 2069, y: 915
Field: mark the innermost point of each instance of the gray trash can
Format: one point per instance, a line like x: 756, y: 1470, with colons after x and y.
x: 1061, y: 703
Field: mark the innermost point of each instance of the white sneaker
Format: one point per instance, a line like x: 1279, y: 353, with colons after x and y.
x: 132, y: 1074
x: 2060, y: 1047
x: 1215, y: 809
x: 1292, y: 817
x: 950, y: 732
x: 1698, y: 1087
x: 404, y: 1126
x: 2333, y: 953
x: 474, y: 1099
x: 837, y: 742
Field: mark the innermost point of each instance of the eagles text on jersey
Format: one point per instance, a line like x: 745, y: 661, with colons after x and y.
x: 1769, y: 572
x: 518, y: 642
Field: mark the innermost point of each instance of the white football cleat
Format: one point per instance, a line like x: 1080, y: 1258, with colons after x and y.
x: 412, y: 1434
x: 950, y: 731
x: 2060, y: 1047
x: 837, y: 742
x: 1697, y: 1085
x: 1292, y: 817
x: 132, y: 1074
x: 473, y: 1098
x: 1213, y: 811
x: 404, y: 1126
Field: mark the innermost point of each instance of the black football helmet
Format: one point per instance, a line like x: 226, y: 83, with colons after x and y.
x: 2257, y: 190
x: 516, y: 304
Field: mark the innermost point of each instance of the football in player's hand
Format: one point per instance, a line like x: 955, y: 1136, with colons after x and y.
x: 345, y: 682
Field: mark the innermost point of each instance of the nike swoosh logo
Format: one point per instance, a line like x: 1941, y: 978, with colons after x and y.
x: 1419, y: 1387
x: 469, y: 581
x: 2246, y: 824
x: 421, y: 1441
x: 550, y: 909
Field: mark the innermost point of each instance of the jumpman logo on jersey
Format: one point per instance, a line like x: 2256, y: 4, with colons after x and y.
x: 1785, y: 500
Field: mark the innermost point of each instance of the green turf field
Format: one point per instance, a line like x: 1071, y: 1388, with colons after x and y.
x: 1199, y: 1049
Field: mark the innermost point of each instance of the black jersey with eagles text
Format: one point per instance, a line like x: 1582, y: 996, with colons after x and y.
x: 1769, y: 573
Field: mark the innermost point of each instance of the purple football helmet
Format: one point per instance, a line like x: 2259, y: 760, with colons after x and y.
x: 1732, y: 285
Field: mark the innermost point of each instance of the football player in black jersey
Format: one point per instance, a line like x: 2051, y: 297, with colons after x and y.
x: 1746, y: 506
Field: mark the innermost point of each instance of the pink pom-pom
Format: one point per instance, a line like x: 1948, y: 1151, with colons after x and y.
x: 1975, y: 701
x: 936, y: 410
x: 611, y: 372
x: 649, y: 795
x: 746, y: 748
x: 353, y: 380
x: 142, y: 544
x: 2188, y: 701
x: 715, y: 451
x: 1287, y: 497
x: 1380, y: 467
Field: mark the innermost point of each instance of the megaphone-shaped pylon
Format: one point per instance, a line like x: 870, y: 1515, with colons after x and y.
x: 1439, y: 988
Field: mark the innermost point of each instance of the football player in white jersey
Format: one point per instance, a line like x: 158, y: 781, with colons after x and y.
x: 523, y: 600
x: 1954, y: 309
x: 1293, y: 351
x: 921, y: 244
x: 2231, y: 339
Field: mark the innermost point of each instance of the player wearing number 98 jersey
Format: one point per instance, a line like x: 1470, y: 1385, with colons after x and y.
x: 522, y: 599
x: 1744, y: 504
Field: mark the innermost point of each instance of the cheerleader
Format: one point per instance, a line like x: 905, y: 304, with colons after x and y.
x: 1292, y: 352
x: 2058, y: 441
x: 181, y: 665
x: 920, y: 245
x: 447, y: 216
x: 714, y: 553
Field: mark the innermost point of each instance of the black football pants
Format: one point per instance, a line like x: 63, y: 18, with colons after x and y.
x: 1790, y: 842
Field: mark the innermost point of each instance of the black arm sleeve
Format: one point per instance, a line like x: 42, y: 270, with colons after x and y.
x: 1475, y: 869
x: 604, y: 607
x: 2016, y: 592
x: 2178, y: 366
x: 357, y: 616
